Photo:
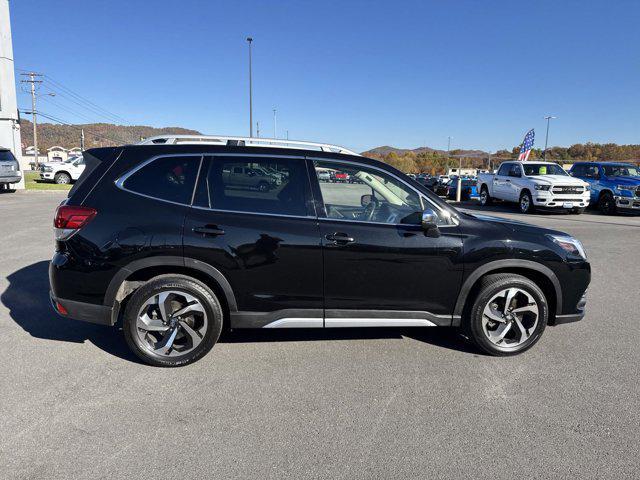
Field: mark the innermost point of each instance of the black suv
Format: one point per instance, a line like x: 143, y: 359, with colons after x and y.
x: 160, y: 238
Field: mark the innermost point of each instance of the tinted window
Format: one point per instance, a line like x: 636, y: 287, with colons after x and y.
x: 578, y: 170
x: 367, y: 195
x: 258, y: 185
x: 167, y: 178
x: 504, y: 169
x: 6, y: 155
x: 621, y: 171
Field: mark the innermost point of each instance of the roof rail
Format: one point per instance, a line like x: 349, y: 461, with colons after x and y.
x: 243, y: 142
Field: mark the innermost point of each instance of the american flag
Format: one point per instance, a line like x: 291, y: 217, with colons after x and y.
x: 527, y: 145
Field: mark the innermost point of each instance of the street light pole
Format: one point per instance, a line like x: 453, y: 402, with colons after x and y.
x: 275, y: 124
x: 546, y: 139
x: 249, y: 40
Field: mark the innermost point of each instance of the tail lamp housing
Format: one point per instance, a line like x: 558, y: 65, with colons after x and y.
x: 70, y: 218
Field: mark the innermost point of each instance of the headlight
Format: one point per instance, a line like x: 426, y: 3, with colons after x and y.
x: 587, y: 186
x: 542, y: 187
x: 629, y: 188
x: 47, y: 169
x: 569, y: 244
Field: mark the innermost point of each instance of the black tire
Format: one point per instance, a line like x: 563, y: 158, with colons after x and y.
x: 62, y: 178
x: 607, y: 204
x: 182, y: 283
x: 6, y: 189
x: 526, y: 202
x: 490, y: 286
x: 578, y: 211
x: 263, y: 187
x: 485, y: 198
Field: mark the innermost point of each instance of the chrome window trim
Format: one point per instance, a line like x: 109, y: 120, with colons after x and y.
x: 417, y: 192
x: 222, y: 210
x: 120, y: 181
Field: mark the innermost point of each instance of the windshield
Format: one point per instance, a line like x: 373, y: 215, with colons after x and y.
x: 532, y: 169
x: 621, y: 171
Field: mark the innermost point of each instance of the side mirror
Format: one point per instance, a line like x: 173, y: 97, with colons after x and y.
x: 429, y: 221
x: 366, y: 199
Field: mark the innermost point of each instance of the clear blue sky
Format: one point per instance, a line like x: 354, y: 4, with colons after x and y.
x: 357, y: 73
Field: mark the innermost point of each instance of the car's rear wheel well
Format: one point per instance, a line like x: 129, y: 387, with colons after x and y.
x: 142, y: 276
x: 540, y: 279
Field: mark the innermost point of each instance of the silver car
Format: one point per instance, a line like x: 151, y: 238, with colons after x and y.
x: 9, y: 170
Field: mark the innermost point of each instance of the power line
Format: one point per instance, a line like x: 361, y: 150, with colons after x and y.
x: 80, y: 98
x: 69, y: 110
x: 58, y: 120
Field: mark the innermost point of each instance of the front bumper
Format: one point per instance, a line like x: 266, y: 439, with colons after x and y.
x: 548, y: 199
x: 46, y: 175
x: 86, y: 312
x: 632, y: 203
x: 576, y: 316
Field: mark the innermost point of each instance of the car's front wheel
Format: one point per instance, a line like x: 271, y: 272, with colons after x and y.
x: 172, y: 320
x: 508, y: 315
x: 607, y: 204
x: 526, y: 202
x: 62, y: 178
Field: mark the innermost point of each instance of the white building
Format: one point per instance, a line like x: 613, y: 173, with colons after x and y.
x: 9, y: 127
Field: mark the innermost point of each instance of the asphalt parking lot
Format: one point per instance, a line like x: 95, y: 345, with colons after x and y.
x: 374, y: 403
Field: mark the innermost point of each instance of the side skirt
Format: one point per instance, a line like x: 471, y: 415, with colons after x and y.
x: 317, y: 318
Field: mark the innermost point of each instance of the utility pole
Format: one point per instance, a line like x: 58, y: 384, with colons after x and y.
x: 546, y: 139
x: 82, y: 139
x: 287, y: 134
x: 249, y: 40
x: 32, y: 80
x: 448, y: 145
x: 275, y: 124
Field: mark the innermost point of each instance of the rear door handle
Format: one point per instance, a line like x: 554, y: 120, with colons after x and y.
x: 508, y: 181
x: 211, y: 231
x: 339, y: 238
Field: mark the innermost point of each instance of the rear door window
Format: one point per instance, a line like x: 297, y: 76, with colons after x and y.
x: 166, y: 178
x: 269, y: 185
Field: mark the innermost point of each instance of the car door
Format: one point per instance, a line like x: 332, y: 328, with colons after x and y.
x: 500, y: 184
x: 380, y: 267
x: 514, y: 184
x: 266, y: 244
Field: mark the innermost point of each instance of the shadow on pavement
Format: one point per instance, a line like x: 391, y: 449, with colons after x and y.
x: 437, y: 336
x: 27, y: 298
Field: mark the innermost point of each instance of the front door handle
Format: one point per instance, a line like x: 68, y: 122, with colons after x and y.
x: 339, y: 238
x: 209, y: 230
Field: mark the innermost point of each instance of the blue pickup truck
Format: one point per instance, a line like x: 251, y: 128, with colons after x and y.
x: 613, y: 185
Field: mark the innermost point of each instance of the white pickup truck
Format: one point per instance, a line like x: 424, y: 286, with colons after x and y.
x: 534, y: 185
x: 63, y: 172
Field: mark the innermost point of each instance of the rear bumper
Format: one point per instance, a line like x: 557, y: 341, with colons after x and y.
x: 86, y: 312
x: 12, y: 179
x: 573, y: 317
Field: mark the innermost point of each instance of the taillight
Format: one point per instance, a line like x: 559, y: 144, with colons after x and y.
x: 69, y: 219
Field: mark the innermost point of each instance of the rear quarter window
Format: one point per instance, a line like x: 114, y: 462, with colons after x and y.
x: 166, y: 178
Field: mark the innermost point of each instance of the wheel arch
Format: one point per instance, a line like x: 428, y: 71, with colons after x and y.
x: 540, y: 274
x: 603, y: 191
x: 129, y: 278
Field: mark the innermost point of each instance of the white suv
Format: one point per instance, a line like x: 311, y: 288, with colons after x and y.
x: 63, y: 172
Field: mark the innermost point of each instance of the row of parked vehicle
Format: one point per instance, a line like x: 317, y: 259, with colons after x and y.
x: 546, y: 185
x: 611, y: 187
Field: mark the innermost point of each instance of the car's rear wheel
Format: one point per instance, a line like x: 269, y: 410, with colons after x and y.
x: 62, y: 178
x: 172, y: 321
x: 607, y: 204
x: 508, y: 315
x: 485, y: 198
x: 526, y: 202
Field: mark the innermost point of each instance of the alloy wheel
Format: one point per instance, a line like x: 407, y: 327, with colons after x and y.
x: 510, y: 318
x: 171, y: 323
x: 524, y: 203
